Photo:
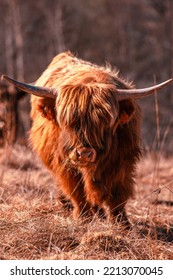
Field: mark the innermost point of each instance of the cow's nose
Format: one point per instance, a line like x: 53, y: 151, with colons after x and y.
x: 86, y: 154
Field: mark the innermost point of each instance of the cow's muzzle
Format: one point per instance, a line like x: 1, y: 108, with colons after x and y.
x: 85, y: 155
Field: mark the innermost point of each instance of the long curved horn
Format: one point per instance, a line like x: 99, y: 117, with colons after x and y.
x: 36, y: 90
x: 123, y: 94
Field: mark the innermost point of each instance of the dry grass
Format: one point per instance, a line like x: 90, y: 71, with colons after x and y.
x: 34, y: 224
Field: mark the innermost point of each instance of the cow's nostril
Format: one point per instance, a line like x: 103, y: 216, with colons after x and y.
x: 78, y: 153
x: 89, y: 154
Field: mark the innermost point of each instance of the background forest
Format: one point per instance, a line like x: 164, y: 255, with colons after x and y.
x: 133, y: 36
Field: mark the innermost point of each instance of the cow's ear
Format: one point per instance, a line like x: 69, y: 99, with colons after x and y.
x: 46, y: 106
x: 126, y: 111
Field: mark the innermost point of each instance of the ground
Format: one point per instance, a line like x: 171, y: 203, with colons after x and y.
x: 35, y: 225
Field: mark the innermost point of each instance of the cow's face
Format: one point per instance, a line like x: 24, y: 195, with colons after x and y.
x: 87, y: 116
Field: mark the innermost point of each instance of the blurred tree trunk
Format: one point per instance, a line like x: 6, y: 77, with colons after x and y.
x: 170, y: 51
x: 14, y: 65
x: 14, y: 6
x: 9, y: 44
x: 58, y: 28
x: 53, y: 14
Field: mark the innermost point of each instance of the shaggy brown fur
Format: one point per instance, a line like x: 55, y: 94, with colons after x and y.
x: 87, y: 118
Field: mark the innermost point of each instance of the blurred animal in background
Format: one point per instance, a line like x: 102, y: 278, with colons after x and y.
x: 86, y: 129
x: 9, y: 113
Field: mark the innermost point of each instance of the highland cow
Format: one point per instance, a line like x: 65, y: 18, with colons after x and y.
x: 86, y: 129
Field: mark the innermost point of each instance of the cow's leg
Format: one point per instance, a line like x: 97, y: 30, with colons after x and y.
x: 73, y: 188
x: 117, y: 202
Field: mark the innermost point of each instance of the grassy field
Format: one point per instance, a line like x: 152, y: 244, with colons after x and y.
x: 35, y: 225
